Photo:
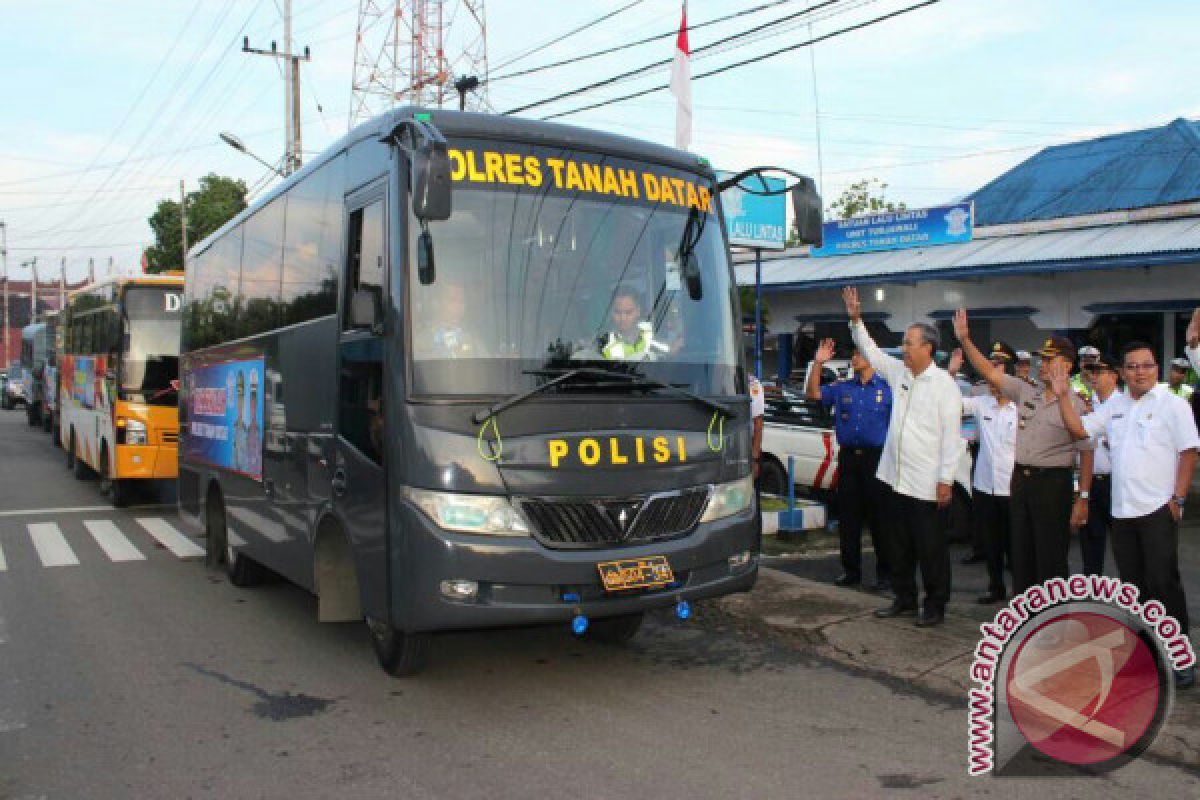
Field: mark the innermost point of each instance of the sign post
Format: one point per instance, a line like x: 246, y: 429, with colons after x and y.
x: 758, y: 222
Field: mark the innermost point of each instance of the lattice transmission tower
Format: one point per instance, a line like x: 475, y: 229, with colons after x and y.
x: 423, y: 52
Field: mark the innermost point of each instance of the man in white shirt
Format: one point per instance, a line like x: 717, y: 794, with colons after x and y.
x: 997, y: 419
x: 758, y: 407
x: 1093, y: 507
x: 919, y: 460
x: 1153, y: 441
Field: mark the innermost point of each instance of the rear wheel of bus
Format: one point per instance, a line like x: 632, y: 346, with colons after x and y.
x: 77, y: 465
x: 400, y: 654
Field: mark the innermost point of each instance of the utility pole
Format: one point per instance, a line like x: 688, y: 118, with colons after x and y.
x: 291, y: 98
x: 182, y: 226
x: 4, y: 259
x: 33, y: 292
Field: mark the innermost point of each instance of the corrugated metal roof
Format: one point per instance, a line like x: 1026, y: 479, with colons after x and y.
x: 1156, y: 166
x: 1101, y: 247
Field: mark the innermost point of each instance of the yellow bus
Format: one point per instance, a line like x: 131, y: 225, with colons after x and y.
x: 119, y: 382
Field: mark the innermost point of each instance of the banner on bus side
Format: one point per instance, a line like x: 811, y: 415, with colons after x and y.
x: 225, y: 412
x: 554, y: 171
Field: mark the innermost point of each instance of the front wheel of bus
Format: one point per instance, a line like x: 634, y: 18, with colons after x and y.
x: 400, y: 654
x: 118, y: 491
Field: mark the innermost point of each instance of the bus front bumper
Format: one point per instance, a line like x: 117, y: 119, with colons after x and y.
x: 148, y: 462
x: 521, y: 582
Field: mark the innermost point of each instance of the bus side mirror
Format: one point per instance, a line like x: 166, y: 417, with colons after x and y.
x: 806, y: 209
x: 426, y: 270
x: 691, y: 277
x: 431, y: 192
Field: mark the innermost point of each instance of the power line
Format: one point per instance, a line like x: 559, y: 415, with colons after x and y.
x: 744, y: 62
x: 567, y: 35
x: 656, y: 37
x: 662, y: 63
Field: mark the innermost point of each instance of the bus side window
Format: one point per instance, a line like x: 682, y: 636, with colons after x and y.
x: 365, y: 266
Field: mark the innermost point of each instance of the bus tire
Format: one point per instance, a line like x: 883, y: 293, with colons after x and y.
x: 69, y: 449
x: 31, y: 415
x: 400, y: 654
x: 772, y: 477
x: 47, y: 423
x: 242, y: 571
x: 615, y: 630
x: 79, y: 467
x: 118, y: 491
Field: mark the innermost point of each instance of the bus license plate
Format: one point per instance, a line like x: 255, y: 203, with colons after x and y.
x: 636, y: 573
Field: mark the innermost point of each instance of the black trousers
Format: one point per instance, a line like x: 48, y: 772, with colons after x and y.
x: 991, y: 514
x: 1040, y: 524
x: 1094, y: 534
x: 1146, y: 550
x: 918, y: 536
x: 860, y: 497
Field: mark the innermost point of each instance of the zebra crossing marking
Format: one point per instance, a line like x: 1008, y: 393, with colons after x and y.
x: 112, y: 541
x: 3, y: 563
x: 170, y: 538
x: 51, y: 545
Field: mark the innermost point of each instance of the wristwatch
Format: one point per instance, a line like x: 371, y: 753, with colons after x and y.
x: 1084, y: 495
x: 1179, y: 501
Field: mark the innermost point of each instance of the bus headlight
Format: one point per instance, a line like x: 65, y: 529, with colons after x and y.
x: 135, y: 431
x: 470, y: 513
x: 728, y: 499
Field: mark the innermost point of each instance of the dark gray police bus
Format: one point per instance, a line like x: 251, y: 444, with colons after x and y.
x: 467, y: 371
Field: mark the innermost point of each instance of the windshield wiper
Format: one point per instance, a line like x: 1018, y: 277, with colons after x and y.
x: 636, y: 380
x: 629, y: 380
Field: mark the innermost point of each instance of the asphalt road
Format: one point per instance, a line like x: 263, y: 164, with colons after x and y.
x: 150, y: 677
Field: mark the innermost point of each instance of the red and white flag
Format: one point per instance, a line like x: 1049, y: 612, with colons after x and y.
x: 681, y: 86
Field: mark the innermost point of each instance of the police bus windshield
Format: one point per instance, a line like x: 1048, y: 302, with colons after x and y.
x: 557, y: 259
x: 150, y: 345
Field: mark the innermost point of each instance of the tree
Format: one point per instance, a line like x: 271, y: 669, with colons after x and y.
x: 746, y: 300
x: 212, y: 205
x: 863, y: 197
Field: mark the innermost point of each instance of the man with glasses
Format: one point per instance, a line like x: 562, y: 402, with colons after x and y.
x: 1040, y: 497
x: 1154, y: 444
x: 920, y: 458
x: 1094, y: 515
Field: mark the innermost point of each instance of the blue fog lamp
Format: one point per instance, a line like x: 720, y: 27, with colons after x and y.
x: 579, y: 625
x: 683, y: 609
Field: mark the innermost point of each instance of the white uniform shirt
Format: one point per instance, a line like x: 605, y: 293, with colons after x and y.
x: 923, y: 445
x: 1103, y: 463
x: 1145, y: 437
x: 758, y: 401
x: 997, y: 443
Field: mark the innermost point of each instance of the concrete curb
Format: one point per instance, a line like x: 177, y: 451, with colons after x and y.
x: 838, y: 624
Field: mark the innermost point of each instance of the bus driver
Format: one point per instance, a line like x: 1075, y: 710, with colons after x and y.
x: 631, y: 338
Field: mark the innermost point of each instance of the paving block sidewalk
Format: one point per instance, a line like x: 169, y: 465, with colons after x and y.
x: 838, y: 624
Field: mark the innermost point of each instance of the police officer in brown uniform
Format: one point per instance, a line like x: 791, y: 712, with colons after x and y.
x: 1041, y: 506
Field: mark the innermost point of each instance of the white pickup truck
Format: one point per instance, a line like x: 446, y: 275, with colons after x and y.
x: 795, y: 426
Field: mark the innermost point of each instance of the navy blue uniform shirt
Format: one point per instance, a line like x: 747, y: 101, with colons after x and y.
x: 861, y: 410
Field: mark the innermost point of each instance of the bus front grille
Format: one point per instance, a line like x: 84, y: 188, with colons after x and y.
x: 604, y: 522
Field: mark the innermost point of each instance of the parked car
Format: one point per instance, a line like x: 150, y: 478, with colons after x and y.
x: 14, y: 389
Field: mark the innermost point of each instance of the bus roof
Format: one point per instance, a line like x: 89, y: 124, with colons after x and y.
x: 172, y: 278
x: 482, y: 126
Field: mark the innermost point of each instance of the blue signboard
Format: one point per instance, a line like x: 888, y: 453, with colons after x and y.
x: 225, y: 409
x: 753, y: 220
x: 897, y: 230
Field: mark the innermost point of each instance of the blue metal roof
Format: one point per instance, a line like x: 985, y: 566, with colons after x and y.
x: 1128, y: 170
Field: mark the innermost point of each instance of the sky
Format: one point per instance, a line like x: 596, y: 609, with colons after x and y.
x: 108, y: 105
